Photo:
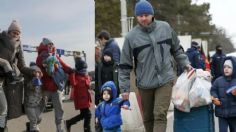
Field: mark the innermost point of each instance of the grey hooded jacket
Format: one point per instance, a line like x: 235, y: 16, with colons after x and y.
x: 151, y: 49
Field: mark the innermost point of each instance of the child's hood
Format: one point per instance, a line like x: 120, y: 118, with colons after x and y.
x: 233, y: 60
x: 111, y: 85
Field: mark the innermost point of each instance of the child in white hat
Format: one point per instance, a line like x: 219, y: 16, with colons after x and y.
x: 223, y: 93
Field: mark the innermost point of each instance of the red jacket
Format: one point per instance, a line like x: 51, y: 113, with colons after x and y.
x: 82, y: 98
x: 48, y: 82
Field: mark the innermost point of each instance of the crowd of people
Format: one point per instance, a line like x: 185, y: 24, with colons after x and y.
x: 43, y: 80
x: 151, y: 49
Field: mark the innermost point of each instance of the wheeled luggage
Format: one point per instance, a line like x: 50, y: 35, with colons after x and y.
x: 199, y: 119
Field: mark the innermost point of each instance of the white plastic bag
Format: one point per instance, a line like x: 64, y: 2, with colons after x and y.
x: 180, y: 94
x: 132, y: 119
x: 203, y: 74
x: 199, y: 94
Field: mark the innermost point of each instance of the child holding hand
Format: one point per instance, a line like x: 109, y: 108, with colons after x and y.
x: 108, y: 112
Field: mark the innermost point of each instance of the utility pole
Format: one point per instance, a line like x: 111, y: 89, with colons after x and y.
x: 124, y: 25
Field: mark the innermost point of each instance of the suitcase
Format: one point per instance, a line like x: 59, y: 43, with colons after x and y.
x: 199, y: 119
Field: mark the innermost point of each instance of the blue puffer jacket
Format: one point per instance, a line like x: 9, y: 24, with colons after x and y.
x: 112, y: 47
x: 218, y: 90
x: 109, y: 113
x: 194, y: 57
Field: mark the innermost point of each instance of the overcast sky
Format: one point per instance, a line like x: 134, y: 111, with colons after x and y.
x: 223, y: 15
x: 70, y: 24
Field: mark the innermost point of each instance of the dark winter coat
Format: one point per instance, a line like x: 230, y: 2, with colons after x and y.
x: 107, y: 72
x: 216, y: 65
x: 81, y: 83
x: 109, y: 112
x: 218, y: 90
x: 112, y: 46
x: 11, y: 50
x: 194, y: 57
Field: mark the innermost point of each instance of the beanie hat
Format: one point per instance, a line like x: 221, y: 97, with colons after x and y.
x: 80, y: 65
x: 108, y: 53
x: 34, y: 66
x: 218, y: 47
x: 143, y: 7
x: 47, y: 41
x: 229, y: 63
x: 194, y: 44
x: 14, y: 26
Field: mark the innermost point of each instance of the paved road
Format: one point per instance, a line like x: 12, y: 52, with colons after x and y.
x: 47, y: 124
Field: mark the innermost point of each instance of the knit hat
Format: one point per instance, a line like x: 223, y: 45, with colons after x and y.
x: 47, y: 41
x: 14, y: 26
x: 143, y: 7
x: 80, y: 65
x: 108, y: 53
x: 229, y: 63
x: 194, y: 44
x: 34, y: 66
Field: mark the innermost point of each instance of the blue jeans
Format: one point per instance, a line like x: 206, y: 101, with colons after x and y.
x: 116, y: 129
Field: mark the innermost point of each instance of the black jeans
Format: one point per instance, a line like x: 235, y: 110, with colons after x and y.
x: 84, y: 114
x: 225, y: 122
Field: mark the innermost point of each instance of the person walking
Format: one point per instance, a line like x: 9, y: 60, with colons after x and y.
x: 150, y: 46
x: 195, y: 57
x: 33, y: 99
x: 217, y: 62
x: 11, y: 81
x: 223, y: 93
x: 52, y: 86
x: 107, y: 71
x: 82, y: 98
x: 108, y: 112
x: 109, y: 44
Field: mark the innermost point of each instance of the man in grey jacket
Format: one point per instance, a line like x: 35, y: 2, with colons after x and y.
x: 10, y: 51
x: 151, y: 45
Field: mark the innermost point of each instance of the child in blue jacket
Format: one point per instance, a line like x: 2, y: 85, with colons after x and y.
x: 223, y: 93
x: 108, y: 112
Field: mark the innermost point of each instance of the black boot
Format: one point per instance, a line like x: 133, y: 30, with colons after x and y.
x: 87, y: 119
x: 27, y: 126
x: 67, y: 125
x: 3, y: 129
x: 87, y: 129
